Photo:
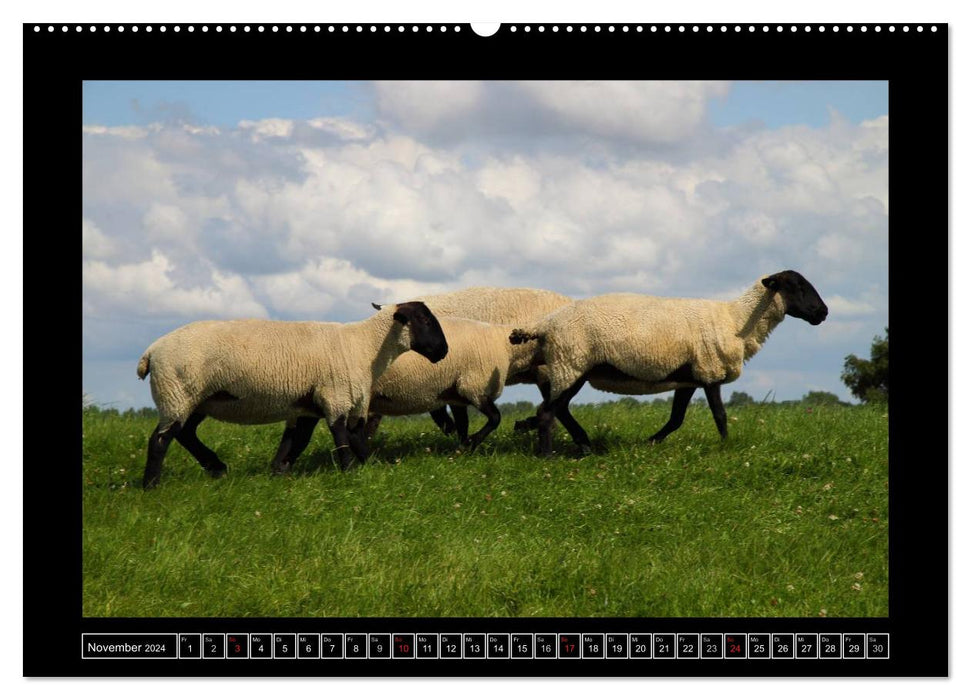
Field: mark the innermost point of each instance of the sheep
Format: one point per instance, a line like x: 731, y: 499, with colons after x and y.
x: 258, y: 371
x: 480, y: 361
x: 634, y: 343
x: 497, y: 305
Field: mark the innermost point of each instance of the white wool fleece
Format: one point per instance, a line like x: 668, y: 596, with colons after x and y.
x: 273, y: 370
x: 648, y: 338
x: 479, y: 361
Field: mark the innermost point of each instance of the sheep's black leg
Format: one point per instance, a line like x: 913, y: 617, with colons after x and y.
x: 579, y: 435
x: 158, y: 443
x: 190, y: 441
x: 713, y: 392
x: 292, y: 444
x: 371, y: 427
x: 461, y: 414
x: 342, y: 442
x: 548, y: 411
x: 442, y: 419
x: 301, y: 437
x: 280, y: 465
x: 681, y: 399
x: 493, y: 417
x: 357, y: 438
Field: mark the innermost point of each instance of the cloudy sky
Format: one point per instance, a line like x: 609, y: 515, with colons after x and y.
x: 309, y: 200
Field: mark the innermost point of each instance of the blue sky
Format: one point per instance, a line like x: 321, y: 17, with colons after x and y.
x: 220, y: 102
x: 226, y: 103
x: 308, y: 200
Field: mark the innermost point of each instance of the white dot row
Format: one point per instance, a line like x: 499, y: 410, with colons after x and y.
x: 512, y: 28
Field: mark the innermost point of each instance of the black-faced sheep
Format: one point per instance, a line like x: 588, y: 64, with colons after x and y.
x: 634, y: 343
x: 479, y: 363
x: 517, y: 306
x: 258, y: 371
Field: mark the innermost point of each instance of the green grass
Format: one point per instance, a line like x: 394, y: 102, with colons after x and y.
x: 788, y: 517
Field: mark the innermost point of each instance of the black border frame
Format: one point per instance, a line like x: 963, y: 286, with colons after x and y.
x: 914, y: 62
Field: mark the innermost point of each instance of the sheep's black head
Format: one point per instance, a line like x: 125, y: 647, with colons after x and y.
x: 800, y: 297
x: 427, y: 337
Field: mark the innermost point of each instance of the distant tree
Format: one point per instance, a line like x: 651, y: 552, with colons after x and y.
x: 869, y: 380
x: 739, y: 398
x: 663, y: 401
x: 821, y: 398
x: 628, y: 402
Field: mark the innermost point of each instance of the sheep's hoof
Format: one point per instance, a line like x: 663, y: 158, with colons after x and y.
x: 149, y: 483
x: 216, y: 472
x: 585, y: 450
x: 280, y: 470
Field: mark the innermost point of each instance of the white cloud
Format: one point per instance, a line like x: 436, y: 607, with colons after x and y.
x: 147, y: 289
x: 94, y: 244
x: 267, y: 128
x: 425, y: 104
x: 640, y: 111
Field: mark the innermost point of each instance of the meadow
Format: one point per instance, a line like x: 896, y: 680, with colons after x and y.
x: 787, y: 517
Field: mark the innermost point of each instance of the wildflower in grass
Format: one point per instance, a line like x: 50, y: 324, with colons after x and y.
x: 856, y: 587
x: 858, y: 575
x: 827, y: 486
x: 822, y: 612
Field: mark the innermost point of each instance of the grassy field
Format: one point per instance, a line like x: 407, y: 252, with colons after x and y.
x: 788, y: 517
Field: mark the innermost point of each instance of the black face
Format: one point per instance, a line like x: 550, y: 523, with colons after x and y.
x: 427, y: 337
x: 801, y: 298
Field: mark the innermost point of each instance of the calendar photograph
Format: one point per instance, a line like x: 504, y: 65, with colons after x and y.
x: 485, y: 348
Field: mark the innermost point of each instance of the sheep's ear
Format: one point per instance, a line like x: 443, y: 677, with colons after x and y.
x: 376, y: 306
x: 771, y: 282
